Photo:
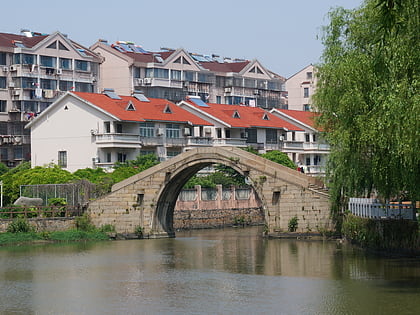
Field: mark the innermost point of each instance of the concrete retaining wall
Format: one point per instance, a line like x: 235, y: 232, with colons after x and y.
x: 44, y: 224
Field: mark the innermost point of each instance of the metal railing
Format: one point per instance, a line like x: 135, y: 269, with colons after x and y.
x: 372, y: 208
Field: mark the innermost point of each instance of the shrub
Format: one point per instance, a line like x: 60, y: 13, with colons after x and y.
x: 138, y: 231
x: 293, y: 224
x: 107, y: 228
x: 84, y: 223
x: 19, y: 225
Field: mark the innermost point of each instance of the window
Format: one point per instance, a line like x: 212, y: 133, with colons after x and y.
x: 47, y: 61
x: 172, y: 131
x: 2, y: 58
x: 48, y: 84
x: 119, y: 128
x: 3, y: 106
x: 29, y: 106
x: 107, y: 127
x: 66, y: 85
x: 108, y: 157
x: 293, y: 136
x: 61, y: 46
x: 84, y: 87
x: 122, y: 157
x: 18, y: 153
x: 252, y: 135
x: 175, y: 75
x: 314, y: 137
x: 309, y: 75
x: 147, y: 129
x: 188, y: 76
x: 306, y: 107
x: 317, y: 159
x: 157, y: 73
x: 308, y: 161
x: 28, y: 83
x: 25, y: 59
x: 271, y: 136
x: 2, y: 82
x: 170, y: 154
x: 81, y: 65
x: 65, y: 63
x: 62, y: 158
x: 53, y: 45
x: 218, y: 99
x: 306, y: 92
x: 307, y: 137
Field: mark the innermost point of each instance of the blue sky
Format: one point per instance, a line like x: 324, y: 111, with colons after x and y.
x: 281, y: 34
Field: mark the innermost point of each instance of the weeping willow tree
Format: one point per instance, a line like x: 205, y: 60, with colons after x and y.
x: 368, y: 94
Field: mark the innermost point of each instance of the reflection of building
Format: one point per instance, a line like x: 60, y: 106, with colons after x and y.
x: 35, y: 69
x: 304, y: 147
x: 300, y: 88
x: 97, y: 130
x: 241, y: 126
x: 173, y: 74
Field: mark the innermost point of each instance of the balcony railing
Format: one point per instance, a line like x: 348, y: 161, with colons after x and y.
x: 241, y: 142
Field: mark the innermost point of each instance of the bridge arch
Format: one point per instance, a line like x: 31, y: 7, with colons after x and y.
x: 148, y: 198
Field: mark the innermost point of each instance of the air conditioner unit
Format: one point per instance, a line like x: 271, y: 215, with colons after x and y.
x: 138, y: 81
x: 11, y: 84
x: 159, y: 132
x: 59, y: 71
x: 13, y: 67
x: 187, y: 132
x: 207, y: 130
x: 5, y: 69
x: 256, y: 92
x: 147, y: 80
x: 228, y: 90
x: 16, y: 92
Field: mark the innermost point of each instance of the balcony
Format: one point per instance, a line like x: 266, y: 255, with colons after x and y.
x: 314, y: 146
x: 236, y: 142
x: 118, y: 140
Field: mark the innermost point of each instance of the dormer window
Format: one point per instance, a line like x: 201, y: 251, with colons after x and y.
x: 167, y: 109
x: 236, y: 114
x: 265, y: 117
x: 130, y: 106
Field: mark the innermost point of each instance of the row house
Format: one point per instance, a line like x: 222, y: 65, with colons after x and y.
x: 92, y: 130
x: 174, y: 74
x: 35, y: 70
x: 306, y: 147
x: 239, y: 125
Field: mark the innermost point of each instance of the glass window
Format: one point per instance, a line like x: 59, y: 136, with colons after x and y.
x: 122, y: 157
x: 2, y: 82
x: 2, y: 58
x: 271, y: 136
x: 147, y: 129
x: 48, y: 84
x: 62, y: 158
x: 220, y: 81
x: 118, y: 128
x: 157, y: 73
x: 53, y: 45
x: 309, y: 75
x: 172, y: 131
x: 82, y: 65
x: 249, y: 83
x: 175, y: 75
x: 84, y: 87
x: 30, y: 106
x: 18, y: 153
x: 65, y: 63
x: 306, y: 92
x: 47, y: 61
x: 27, y: 83
x: 251, y: 135
x: 61, y: 46
x: 25, y: 59
x: 3, y: 106
x: 107, y: 127
x: 306, y: 107
x: 189, y: 76
x: 65, y: 85
x: 170, y: 154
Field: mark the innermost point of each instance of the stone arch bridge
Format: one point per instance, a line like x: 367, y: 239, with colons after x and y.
x: 148, y: 199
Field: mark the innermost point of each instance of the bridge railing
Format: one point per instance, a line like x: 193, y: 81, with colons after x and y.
x: 372, y: 208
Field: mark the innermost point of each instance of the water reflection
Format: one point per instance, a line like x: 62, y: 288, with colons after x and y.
x: 226, y: 271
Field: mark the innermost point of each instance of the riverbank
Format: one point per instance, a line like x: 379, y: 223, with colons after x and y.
x: 73, y: 235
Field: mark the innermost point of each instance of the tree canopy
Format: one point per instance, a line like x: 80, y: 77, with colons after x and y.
x: 368, y: 94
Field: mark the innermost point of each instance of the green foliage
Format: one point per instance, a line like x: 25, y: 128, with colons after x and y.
x: 3, y: 168
x: 107, y: 228
x: 367, y: 92
x: 19, y: 225
x: 84, y: 223
x: 280, y: 158
x: 139, y: 231
x: 293, y: 224
x: 133, y: 167
x: 57, y: 201
x: 223, y: 175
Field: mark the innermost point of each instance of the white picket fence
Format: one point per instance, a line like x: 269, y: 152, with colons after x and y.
x: 372, y: 208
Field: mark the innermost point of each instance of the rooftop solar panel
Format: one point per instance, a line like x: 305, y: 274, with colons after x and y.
x: 141, y: 97
x: 198, y: 101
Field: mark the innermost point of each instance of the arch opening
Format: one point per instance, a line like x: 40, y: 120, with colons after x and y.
x: 164, y: 215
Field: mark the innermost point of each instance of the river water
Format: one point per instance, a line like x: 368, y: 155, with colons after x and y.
x: 226, y: 271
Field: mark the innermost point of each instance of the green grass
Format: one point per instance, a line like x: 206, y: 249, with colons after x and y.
x: 58, y: 236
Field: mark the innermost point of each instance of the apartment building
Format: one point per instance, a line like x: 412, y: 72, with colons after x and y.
x: 174, y: 74
x: 36, y: 69
x: 92, y: 130
x: 306, y: 146
x: 300, y: 88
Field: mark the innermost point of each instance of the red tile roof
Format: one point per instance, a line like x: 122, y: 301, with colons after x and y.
x: 248, y: 116
x: 225, y: 67
x: 6, y: 40
x: 145, y: 111
x: 308, y: 118
x: 148, y: 57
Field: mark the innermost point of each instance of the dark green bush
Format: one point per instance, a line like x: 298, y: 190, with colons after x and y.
x: 84, y: 223
x: 293, y: 224
x: 19, y: 225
